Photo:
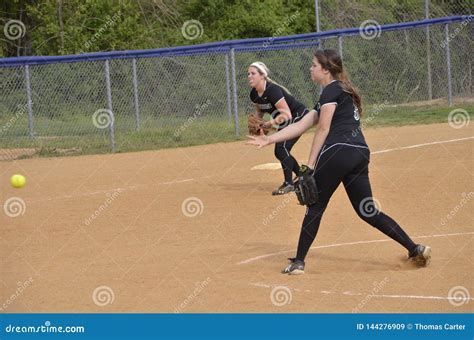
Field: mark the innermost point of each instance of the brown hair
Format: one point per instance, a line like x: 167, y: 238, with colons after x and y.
x: 331, y: 60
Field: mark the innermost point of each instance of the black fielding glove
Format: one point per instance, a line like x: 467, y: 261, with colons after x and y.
x: 305, y: 186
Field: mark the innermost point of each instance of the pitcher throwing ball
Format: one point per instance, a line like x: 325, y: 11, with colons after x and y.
x: 339, y: 154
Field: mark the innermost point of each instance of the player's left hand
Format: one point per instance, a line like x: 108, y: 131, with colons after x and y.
x: 260, y: 140
x: 256, y: 124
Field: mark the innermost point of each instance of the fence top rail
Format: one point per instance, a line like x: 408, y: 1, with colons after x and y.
x: 223, y: 46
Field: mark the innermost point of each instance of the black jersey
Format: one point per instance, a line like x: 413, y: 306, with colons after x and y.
x: 272, y: 95
x: 345, y: 124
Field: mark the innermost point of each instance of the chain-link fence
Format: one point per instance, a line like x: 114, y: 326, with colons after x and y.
x: 186, y: 98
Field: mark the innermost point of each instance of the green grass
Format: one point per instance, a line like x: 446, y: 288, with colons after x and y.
x: 76, y: 135
x: 409, y: 115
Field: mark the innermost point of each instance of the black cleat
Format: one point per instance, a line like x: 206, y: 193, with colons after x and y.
x: 295, y: 267
x: 421, y: 255
x: 283, y: 189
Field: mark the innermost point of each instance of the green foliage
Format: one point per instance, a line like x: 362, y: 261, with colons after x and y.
x: 87, y: 26
x: 57, y: 27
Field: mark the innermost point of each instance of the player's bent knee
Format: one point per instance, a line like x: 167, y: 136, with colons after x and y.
x: 280, y: 153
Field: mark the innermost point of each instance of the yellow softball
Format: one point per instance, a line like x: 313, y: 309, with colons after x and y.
x: 18, y: 181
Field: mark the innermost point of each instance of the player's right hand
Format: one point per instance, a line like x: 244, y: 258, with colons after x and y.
x: 260, y: 140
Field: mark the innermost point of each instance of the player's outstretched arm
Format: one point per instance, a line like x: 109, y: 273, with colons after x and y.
x: 290, y: 132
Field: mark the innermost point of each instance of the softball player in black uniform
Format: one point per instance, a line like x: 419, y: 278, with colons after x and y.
x: 274, y: 99
x: 338, y: 154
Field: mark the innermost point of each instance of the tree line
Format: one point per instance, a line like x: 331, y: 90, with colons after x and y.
x: 59, y: 27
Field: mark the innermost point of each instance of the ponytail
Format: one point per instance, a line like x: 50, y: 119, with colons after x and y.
x: 347, y: 86
x: 330, y: 60
x: 274, y: 82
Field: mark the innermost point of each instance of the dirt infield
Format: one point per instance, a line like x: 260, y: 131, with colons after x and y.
x: 195, y: 230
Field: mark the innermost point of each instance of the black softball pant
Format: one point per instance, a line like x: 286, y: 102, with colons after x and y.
x: 349, y: 164
x: 288, y: 163
x: 282, y: 152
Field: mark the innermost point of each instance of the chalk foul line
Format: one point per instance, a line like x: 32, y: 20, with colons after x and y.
x: 256, y: 258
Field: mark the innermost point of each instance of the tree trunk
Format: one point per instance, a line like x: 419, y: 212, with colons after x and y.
x: 61, y: 26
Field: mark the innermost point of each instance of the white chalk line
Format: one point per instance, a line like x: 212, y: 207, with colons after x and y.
x: 252, y: 259
x: 421, y: 145
x: 277, y: 166
x: 349, y: 293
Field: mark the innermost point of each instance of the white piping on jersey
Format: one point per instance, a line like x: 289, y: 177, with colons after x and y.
x: 327, y: 104
x: 295, y: 119
x: 323, y: 150
x: 279, y: 100
x: 305, y: 112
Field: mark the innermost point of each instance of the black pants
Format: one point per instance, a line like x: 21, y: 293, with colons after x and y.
x: 288, y: 162
x: 282, y: 151
x: 348, y: 164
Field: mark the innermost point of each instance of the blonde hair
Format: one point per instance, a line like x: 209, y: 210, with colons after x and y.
x: 264, y: 71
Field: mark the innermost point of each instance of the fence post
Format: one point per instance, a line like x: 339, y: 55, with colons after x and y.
x: 316, y: 13
x: 448, y: 65
x: 228, y: 89
x: 234, y: 84
x: 339, y: 45
x: 109, y: 106
x: 135, y: 93
x: 428, y: 51
x: 29, y: 102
